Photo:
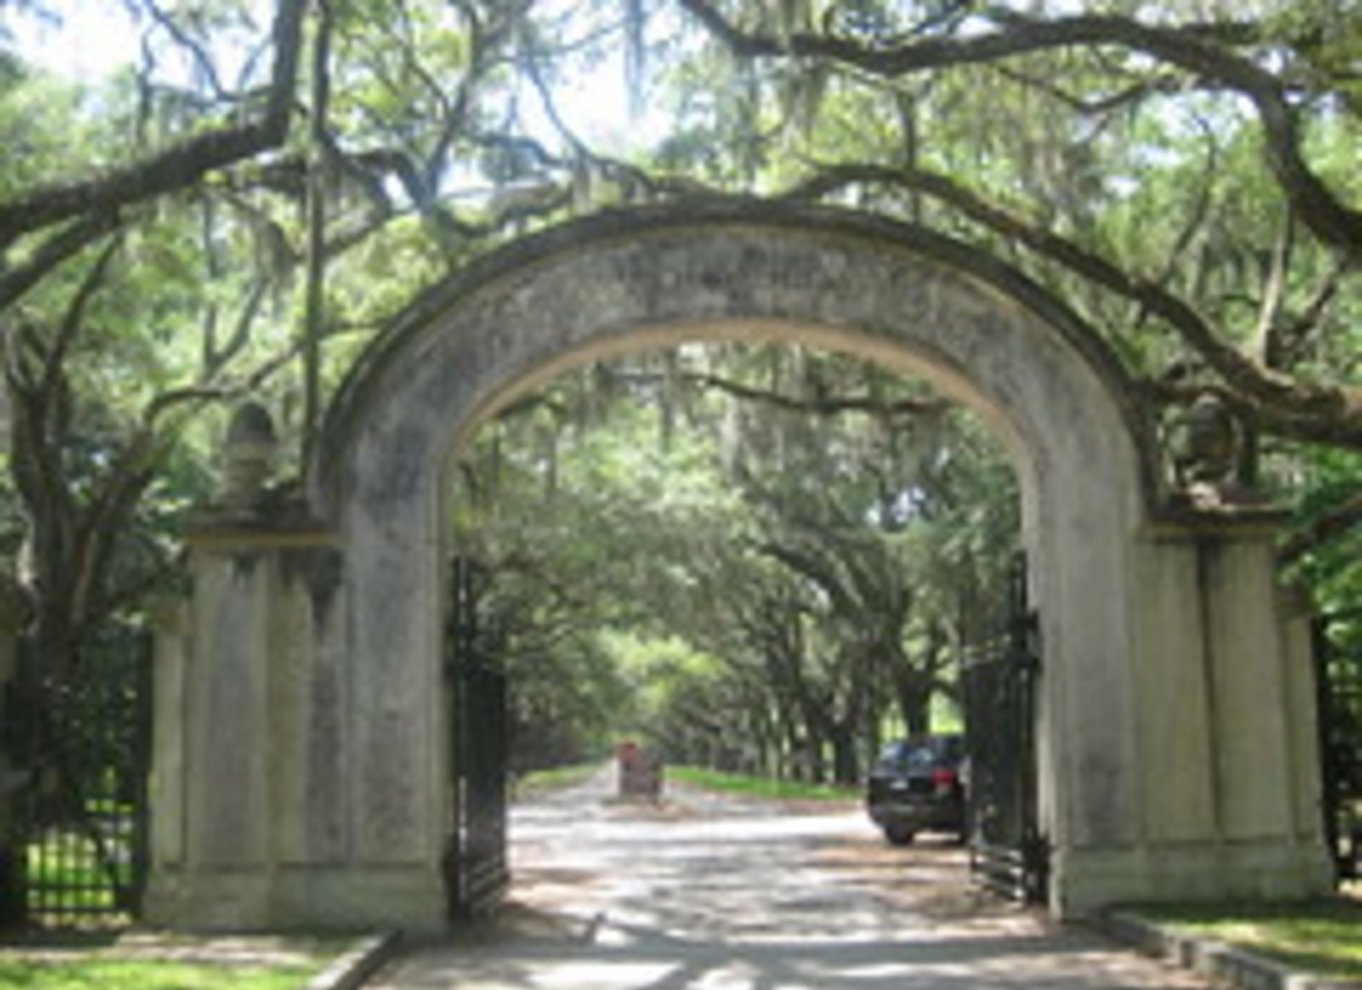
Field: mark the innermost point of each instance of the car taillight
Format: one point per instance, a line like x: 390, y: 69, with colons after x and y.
x: 945, y: 780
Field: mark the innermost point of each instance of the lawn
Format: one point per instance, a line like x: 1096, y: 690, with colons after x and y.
x: 155, y: 962
x: 758, y: 787
x: 559, y: 778
x: 541, y: 781
x: 1323, y: 936
x: 69, y: 880
x: 149, y: 974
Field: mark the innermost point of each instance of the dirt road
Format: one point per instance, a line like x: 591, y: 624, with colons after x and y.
x: 717, y: 894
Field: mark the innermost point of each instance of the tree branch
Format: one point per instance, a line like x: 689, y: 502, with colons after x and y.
x: 1336, y: 410
x: 1102, y: 106
x: 1328, y: 526
x: 197, y: 53
x: 1322, y: 430
x: 822, y: 405
x: 1295, y: 338
x: 180, y: 165
x: 1264, y: 335
x: 54, y: 251
x: 1196, y: 219
x: 73, y: 320
x: 1200, y: 49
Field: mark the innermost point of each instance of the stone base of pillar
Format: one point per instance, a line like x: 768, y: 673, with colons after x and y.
x: 1085, y: 881
x: 334, y: 899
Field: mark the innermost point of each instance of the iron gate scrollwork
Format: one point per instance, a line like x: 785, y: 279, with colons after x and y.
x: 1338, y: 680
x: 1008, y: 853
x: 476, y: 872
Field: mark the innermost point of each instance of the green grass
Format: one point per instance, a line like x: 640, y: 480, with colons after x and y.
x: 759, y: 787
x: 108, y: 974
x: 65, y: 866
x: 1322, y: 936
x: 89, y: 960
x: 557, y: 779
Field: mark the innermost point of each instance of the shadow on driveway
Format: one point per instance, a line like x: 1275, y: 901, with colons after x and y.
x: 731, y: 896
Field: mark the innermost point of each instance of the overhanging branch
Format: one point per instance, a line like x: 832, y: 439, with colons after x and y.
x: 830, y: 404
x: 54, y: 251
x: 1205, y: 51
x: 1321, y: 409
x: 1337, y: 522
x: 180, y: 165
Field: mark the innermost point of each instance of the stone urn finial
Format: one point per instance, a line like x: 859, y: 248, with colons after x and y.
x: 248, y: 455
x: 1206, y: 452
x: 1211, y: 441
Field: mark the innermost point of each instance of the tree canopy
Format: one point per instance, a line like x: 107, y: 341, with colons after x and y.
x: 258, y: 186
x: 776, y: 553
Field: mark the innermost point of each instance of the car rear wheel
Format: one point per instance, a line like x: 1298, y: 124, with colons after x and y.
x: 897, y: 835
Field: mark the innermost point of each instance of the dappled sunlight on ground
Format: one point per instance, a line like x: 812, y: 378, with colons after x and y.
x: 705, y: 892
x: 217, y: 950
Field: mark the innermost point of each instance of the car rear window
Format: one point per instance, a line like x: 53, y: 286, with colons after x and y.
x: 918, y: 754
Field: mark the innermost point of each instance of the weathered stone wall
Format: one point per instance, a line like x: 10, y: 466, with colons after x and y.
x: 255, y: 822
x: 1162, y: 648
x: 1227, y: 763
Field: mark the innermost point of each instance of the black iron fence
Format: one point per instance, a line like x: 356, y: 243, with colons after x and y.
x: 476, y: 871
x: 1008, y: 853
x: 1338, y: 678
x: 83, y: 748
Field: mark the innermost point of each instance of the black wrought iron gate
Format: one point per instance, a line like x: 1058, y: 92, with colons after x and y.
x: 82, y: 749
x: 476, y: 871
x: 1338, y: 679
x: 1008, y: 853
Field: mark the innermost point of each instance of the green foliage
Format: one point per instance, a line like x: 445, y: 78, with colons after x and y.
x: 71, y: 862
x: 1320, y: 937
x: 777, y: 546
x: 149, y: 960
x: 148, y: 975
x: 37, y: 115
x: 759, y: 548
x: 764, y: 788
x: 1330, y: 570
x: 539, y: 782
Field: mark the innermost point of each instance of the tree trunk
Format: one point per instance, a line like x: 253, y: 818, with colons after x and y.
x: 912, y: 695
x: 846, y: 760
x: 915, y: 707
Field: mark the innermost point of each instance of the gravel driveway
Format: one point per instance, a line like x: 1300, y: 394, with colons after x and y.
x: 706, y: 892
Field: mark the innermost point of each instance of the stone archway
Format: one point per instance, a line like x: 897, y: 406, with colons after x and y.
x: 1176, y: 747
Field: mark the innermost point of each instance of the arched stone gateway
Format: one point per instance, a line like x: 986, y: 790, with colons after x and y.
x: 301, y: 726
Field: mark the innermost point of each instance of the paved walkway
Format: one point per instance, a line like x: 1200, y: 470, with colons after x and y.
x: 713, y: 894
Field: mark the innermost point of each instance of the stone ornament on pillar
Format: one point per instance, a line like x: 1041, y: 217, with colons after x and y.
x: 248, y: 458
x: 1206, y: 453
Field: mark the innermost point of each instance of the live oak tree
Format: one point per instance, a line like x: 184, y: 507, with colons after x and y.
x: 192, y: 230
x: 1180, y: 173
x: 791, y: 546
x: 267, y: 183
x: 108, y: 338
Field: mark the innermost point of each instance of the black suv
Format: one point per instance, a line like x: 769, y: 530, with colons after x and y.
x: 919, y: 785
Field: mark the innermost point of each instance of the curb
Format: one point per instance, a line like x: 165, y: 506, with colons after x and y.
x: 1236, y: 966
x: 356, y: 964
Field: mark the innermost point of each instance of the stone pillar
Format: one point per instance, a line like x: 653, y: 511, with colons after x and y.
x: 173, y: 647
x: 255, y: 799
x: 1261, y: 711
x: 1228, y: 779
x: 249, y: 780
x: 257, y: 802
x: 12, y: 907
